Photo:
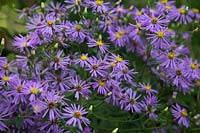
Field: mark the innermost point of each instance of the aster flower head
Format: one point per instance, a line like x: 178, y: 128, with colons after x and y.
x: 180, y: 114
x: 75, y: 115
x: 98, y: 6
x: 83, y: 60
x: 147, y: 88
x: 101, y: 85
x: 102, y: 46
x: 74, y: 5
x: 56, y: 9
x: 35, y: 22
x: 160, y: 38
x: 6, y: 66
x: 79, y: 87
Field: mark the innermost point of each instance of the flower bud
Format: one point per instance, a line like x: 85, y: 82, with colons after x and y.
x: 115, y: 130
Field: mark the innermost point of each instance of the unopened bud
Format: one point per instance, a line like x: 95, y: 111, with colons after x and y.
x: 90, y: 108
x: 131, y: 7
x: 32, y: 52
x: 174, y: 95
x: 85, y: 10
x: 56, y: 45
x: 115, y: 130
x: 109, y: 94
x: 166, y: 109
x: 2, y: 41
x: 42, y: 5
x: 100, y: 37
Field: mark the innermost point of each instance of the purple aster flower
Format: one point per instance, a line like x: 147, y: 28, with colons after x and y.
x: 179, y: 80
x: 147, y: 88
x: 3, y: 115
x: 169, y: 59
x: 101, y: 86
x: 60, y: 62
x: 83, y: 60
x: 49, y: 26
x: 35, y: 22
x: 160, y: 38
x: 79, y: 87
x: 180, y: 15
x: 117, y: 61
x: 98, y: 6
x: 191, y: 69
x: 27, y: 11
x: 32, y: 89
x: 154, y: 21
x: 6, y: 66
x: 119, y: 11
x: 96, y: 67
x: 137, y: 14
x: 56, y: 9
x: 77, y: 32
x: 131, y: 103
x: 75, y: 114
x: 6, y: 79
x: 180, y: 114
x: 16, y: 92
x: 74, y: 5
x: 105, y: 24
x: 103, y: 47
x: 118, y: 36
x: 22, y: 42
x: 51, y: 99
x: 135, y: 33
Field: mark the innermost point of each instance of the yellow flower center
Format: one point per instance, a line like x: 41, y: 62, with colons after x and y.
x: 108, y: 22
x: 51, y: 105
x: 182, y: 11
x: 19, y: 89
x: 35, y: 108
x: 169, y: 30
x: 102, y: 83
x: 77, y: 114
x: 198, y: 82
x: 195, y: 10
x: 168, y: 7
x: 148, y: 87
x: 120, y: 9
x: 154, y: 20
x: 78, y: 87
x: 33, y: 90
x: 138, y: 25
x: 125, y: 70
x: 50, y: 23
x: 6, y: 66
x: 112, y: 64
x: 164, y: 1
x: 138, y: 13
x: 24, y: 44
x: 84, y: 57
x: 194, y: 66
x: 184, y: 113
x: 171, y: 55
x: 100, y: 43
x: 6, y: 78
x: 78, y: 27
x: 118, y: 36
x: 119, y: 59
x: 160, y: 34
x: 99, y: 2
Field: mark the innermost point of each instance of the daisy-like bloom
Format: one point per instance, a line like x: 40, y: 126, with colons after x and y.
x: 75, y: 115
x: 181, y: 15
x: 160, y: 38
x: 118, y: 36
x: 6, y: 66
x: 56, y: 9
x: 96, y: 67
x: 32, y: 89
x: 149, y: 105
x: 103, y: 47
x: 194, y: 12
x: 105, y: 24
x: 58, y: 81
x: 168, y: 59
x: 147, y: 88
x: 74, y: 5
x: 50, y: 101
x: 49, y: 26
x: 60, y: 62
x: 191, y: 69
x: 28, y: 11
x: 178, y: 79
x: 101, y: 86
x: 6, y: 79
x: 135, y: 32
x: 77, y: 32
x: 3, y: 114
x: 22, y: 42
x: 154, y: 21
x: 117, y: 61
x: 119, y: 11
x: 35, y: 22
x: 131, y: 101
x: 165, y: 5
x: 79, y: 87
x: 98, y: 6
x: 17, y: 91
x: 83, y: 60
x: 180, y: 114
x: 137, y: 14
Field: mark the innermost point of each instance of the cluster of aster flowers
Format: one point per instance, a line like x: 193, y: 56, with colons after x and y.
x: 69, y: 55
